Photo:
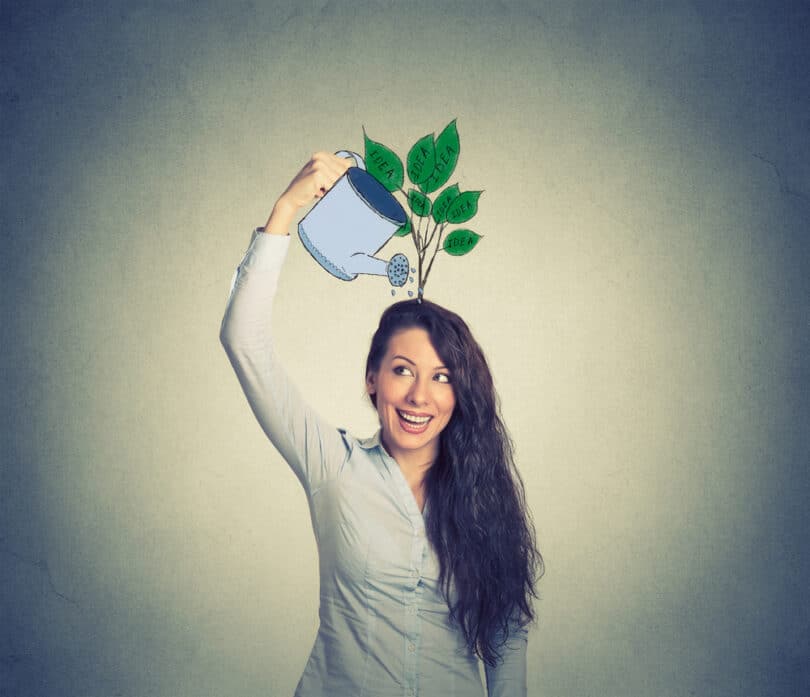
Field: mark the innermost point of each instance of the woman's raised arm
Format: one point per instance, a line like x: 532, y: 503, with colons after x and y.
x: 313, y: 448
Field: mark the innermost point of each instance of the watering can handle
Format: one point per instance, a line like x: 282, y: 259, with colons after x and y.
x: 348, y: 153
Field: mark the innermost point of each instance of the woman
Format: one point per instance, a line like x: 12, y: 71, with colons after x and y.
x: 426, y: 553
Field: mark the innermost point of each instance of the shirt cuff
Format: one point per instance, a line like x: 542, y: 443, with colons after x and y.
x: 264, y: 253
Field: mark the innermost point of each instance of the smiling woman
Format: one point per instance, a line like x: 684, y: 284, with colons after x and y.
x: 426, y: 550
x: 414, y: 398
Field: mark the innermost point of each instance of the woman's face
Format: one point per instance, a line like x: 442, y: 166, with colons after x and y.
x: 414, y: 394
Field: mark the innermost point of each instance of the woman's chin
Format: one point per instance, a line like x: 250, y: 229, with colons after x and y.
x: 402, y: 440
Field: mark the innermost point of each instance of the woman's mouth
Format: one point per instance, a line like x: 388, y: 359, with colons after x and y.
x: 413, y: 423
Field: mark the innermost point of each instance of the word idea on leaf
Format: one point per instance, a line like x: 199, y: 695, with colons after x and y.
x: 460, y: 242
x: 447, y: 148
x: 419, y: 203
x: 384, y: 165
x: 442, y: 203
x: 463, y: 207
x: 421, y: 159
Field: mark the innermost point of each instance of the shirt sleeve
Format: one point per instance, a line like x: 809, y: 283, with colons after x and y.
x: 508, y: 677
x: 313, y: 449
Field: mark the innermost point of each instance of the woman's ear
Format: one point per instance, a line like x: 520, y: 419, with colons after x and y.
x: 371, y: 383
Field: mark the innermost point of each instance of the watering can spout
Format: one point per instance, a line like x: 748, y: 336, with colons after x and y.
x: 396, y: 269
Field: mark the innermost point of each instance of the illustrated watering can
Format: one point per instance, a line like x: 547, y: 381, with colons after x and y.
x: 351, y: 223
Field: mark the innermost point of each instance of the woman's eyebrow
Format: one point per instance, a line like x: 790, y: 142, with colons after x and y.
x: 405, y: 358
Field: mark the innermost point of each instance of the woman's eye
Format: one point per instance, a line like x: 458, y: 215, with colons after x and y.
x: 402, y: 370
x: 442, y: 377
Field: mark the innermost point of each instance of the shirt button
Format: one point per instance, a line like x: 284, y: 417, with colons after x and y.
x: 411, y: 648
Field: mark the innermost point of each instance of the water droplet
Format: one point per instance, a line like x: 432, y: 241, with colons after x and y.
x: 393, y: 292
x: 413, y: 270
x: 411, y: 279
x: 410, y: 293
x: 421, y: 290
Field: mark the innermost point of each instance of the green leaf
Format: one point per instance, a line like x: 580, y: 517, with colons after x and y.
x: 443, y: 201
x: 459, y: 242
x: 447, y: 147
x: 463, y: 207
x: 384, y: 165
x: 419, y: 203
x: 422, y: 159
x: 404, y: 229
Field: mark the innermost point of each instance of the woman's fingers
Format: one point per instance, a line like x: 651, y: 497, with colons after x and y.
x: 316, y: 177
x: 312, y: 182
x: 328, y: 168
x: 324, y: 173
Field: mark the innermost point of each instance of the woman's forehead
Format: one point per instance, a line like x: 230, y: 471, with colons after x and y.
x: 414, y: 344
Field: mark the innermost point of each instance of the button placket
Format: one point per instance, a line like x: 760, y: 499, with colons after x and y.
x: 417, y: 549
x: 412, y: 639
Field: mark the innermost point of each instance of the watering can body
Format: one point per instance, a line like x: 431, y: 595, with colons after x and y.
x: 351, y: 223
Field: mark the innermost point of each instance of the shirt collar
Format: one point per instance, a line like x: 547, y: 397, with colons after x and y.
x: 371, y: 442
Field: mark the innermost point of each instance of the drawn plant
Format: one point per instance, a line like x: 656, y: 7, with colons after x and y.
x: 429, y: 166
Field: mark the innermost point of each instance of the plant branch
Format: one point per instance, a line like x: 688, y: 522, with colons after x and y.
x: 435, y: 251
x: 432, y: 234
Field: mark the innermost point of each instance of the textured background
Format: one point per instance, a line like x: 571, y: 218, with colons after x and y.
x: 641, y: 290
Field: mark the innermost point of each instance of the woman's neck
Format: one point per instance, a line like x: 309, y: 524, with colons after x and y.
x: 414, y: 465
x: 415, y: 478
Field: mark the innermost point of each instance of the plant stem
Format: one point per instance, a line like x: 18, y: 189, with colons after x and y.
x: 435, y: 251
x: 414, y: 232
x: 422, y: 252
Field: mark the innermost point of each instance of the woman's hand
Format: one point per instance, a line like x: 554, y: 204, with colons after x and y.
x: 315, y: 178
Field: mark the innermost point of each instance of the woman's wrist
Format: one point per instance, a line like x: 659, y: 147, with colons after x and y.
x: 280, y: 218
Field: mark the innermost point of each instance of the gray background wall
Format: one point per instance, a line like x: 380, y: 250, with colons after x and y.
x: 641, y: 291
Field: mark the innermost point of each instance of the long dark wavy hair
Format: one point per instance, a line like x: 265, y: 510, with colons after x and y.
x: 476, y: 514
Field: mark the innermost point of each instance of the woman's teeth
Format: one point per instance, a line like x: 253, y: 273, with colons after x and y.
x: 410, y: 418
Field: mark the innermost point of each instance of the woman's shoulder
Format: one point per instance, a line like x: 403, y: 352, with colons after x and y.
x: 357, y: 446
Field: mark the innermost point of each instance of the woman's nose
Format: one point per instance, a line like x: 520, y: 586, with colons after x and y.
x: 418, y: 394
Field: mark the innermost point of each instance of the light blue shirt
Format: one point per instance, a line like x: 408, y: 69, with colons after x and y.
x: 384, y: 626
